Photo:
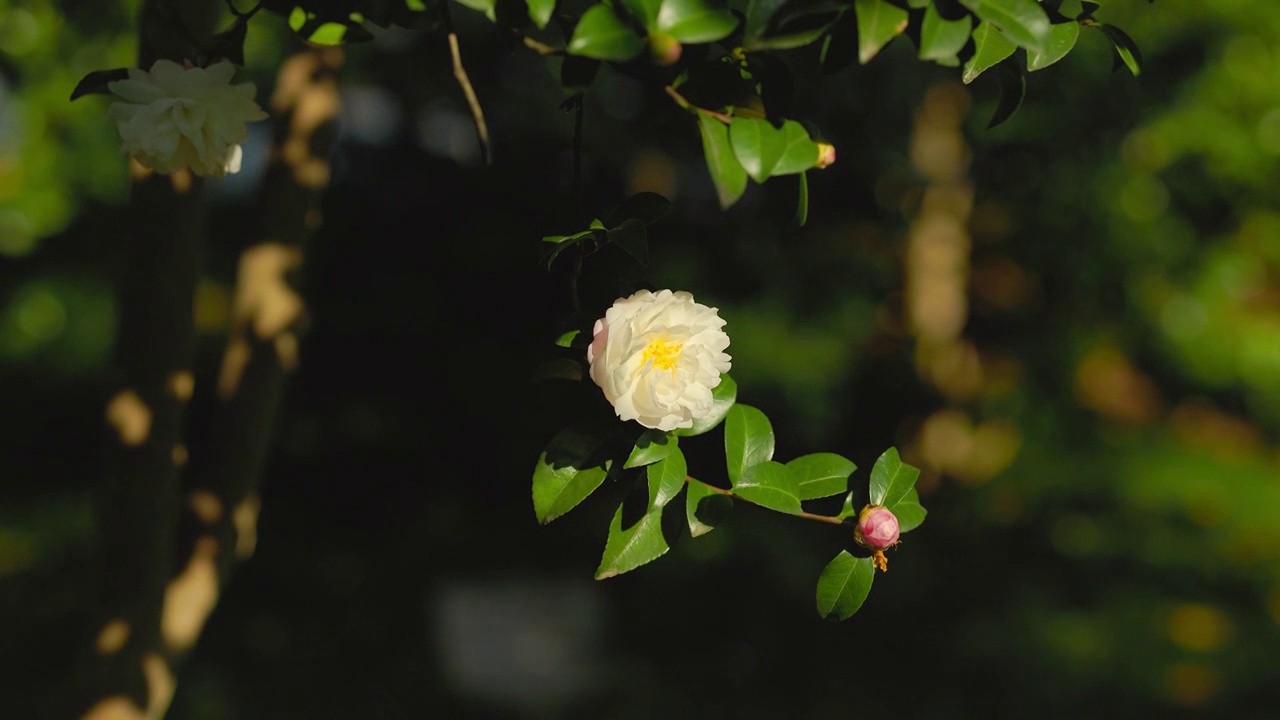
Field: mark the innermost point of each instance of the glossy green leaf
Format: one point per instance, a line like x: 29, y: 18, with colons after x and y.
x: 765, y: 151
x: 696, y: 21
x: 95, y: 83
x: 990, y: 47
x: 723, y: 396
x: 878, y: 23
x: 628, y: 548
x: 1023, y: 22
x: 1062, y: 38
x: 844, y: 585
x: 942, y: 39
x: 645, y: 11
x: 666, y: 477
x: 909, y: 511
x: 891, y: 479
x: 1013, y: 88
x: 653, y: 445
x: 602, y: 35
x: 748, y: 439
x: 540, y: 11
x: 488, y: 7
x: 821, y: 474
x: 566, y: 340
x: 703, y: 507
x: 566, y: 474
x: 769, y: 484
x: 1126, y: 49
x: 726, y: 172
x: 847, y: 510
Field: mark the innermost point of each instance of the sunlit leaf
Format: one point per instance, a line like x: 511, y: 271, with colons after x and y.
x: 878, y: 23
x: 765, y: 151
x: 1126, y: 49
x: 821, y: 474
x: 909, y: 511
x: 844, y: 586
x: 540, y: 11
x: 704, y: 508
x: 666, y: 477
x: 723, y: 397
x: 653, y: 445
x: 769, y: 484
x: 602, y: 35
x: 1023, y: 22
x: 748, y: 439
x: 942, y: 39
x: 1062, y: 38
x: 566, y: 473
x: 891, y: 479
x: 726, y: 172
x: 695, y: 21
x: 990, y: 47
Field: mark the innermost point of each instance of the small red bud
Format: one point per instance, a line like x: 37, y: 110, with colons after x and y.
x: 826, y: 155
x: 664, y: 49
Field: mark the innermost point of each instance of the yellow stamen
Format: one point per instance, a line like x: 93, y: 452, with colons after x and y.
x: 663, y: 354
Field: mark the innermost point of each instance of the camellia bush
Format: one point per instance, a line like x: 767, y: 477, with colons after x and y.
x: 659, y: 359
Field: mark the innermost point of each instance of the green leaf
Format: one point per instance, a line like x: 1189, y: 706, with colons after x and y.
x: 602, y: 35
x: 646, y: 11
x: 748, y: 439
x: 629, y: 548
x: 653, y: 445
x: 891, y: 479
x: 942, y: 39
x: 909, y: 511
x: 704, y: 507
x: 540, y: 11
x: 1126, y: 49
x: 1024, y: 22
x: 769, y: 484
x: 726, y: 172
x: 878, y: 23
x: 847, y: 511
x: 488, y: 7
x: 631, y: 237
x: 844, y: 585
x: 1013, y: 88
x: 566, y: 340
x: 695, y: 21
x: 566, y: 473
x: 1062, y: 38
x: 821, y: 474
x: 666, y: 478
x: 723, y: 396
x: 766, y: 151
x: 990, y: 47
x: 95, y: 83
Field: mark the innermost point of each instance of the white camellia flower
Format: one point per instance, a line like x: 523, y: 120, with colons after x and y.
x: 176, y: 117
x: 657, y: 356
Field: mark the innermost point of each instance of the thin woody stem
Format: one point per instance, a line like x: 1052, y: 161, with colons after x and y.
x: 730, y: 494
x: 684, y: 103
x: 464, y: 82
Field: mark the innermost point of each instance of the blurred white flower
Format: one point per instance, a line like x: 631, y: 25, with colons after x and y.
x: 176, y: 117
x: 657, y: 356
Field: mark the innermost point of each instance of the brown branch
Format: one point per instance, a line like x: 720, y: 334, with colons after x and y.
x: 734, y: 496
x: 473, y: 102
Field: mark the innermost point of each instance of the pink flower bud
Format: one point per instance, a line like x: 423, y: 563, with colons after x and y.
x: 826, y: 155
x: 664, y: 49
x: 877, y: 528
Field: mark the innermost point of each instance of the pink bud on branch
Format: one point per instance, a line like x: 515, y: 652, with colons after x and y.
x: 877, y: 530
